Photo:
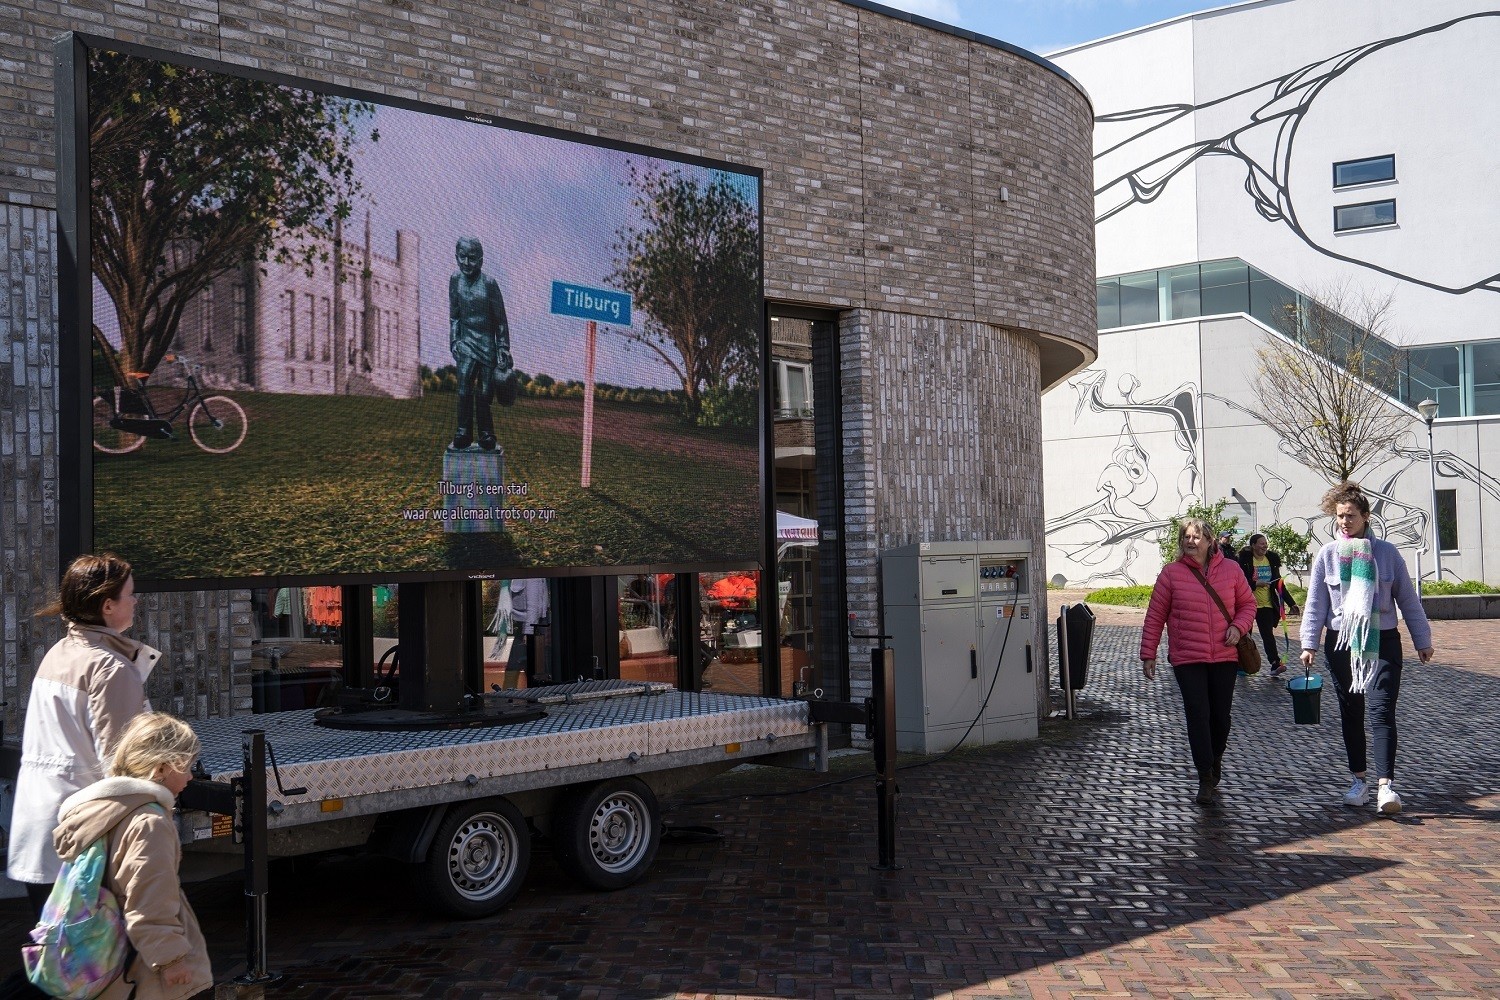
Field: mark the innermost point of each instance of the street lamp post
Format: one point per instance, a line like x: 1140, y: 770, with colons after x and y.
x: 1428, y: 408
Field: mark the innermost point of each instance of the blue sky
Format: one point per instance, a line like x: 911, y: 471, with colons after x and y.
x: 1046, y: 25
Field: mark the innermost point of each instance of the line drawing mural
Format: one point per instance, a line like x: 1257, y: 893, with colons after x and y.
x: 1118, y: 527
x: 1131, y: 507
x: 1271, y: 115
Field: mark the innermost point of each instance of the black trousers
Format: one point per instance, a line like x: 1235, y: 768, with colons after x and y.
x: 1207, y: 698
x: 1379, y: 703
x: 1266, y: 619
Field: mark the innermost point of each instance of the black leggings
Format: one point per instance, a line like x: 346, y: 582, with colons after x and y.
x: 1379, y: 701
x: 1207, y: 697
x: 1266, y: 619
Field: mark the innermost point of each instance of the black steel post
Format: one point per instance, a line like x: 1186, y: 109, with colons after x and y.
x: 252, y: 826
x: 883, y: 731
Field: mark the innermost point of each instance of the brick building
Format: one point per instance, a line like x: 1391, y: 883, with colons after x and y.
x: 928, y: 217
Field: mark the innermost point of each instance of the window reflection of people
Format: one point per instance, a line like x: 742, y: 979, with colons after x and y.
x: 479, y: 338
x: 528, y: 617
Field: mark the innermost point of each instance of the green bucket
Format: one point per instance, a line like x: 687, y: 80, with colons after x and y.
x: 1307, y: 692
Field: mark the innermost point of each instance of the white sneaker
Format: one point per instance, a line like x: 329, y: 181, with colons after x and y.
x: 1388, y: 802
x: 1359, y: 794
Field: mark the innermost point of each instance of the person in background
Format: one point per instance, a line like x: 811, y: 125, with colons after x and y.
x: 1263, y: 572
x: 1357, y: 583
x: 87, y: 688
x: 1201, y: 642
x: 133, y: 807
x: 1226, y: 544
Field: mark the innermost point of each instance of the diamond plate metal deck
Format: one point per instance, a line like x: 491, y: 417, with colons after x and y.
x: 591, y: 722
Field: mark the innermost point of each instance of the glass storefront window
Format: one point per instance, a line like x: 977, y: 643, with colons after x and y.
x: 648, y: 627
x: 729, y: 631
x: 297, y: 651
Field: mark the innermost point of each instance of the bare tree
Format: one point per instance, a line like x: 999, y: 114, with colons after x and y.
x: 1330, y: 385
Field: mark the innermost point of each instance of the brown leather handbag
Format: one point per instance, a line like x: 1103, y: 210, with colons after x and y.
x: 1247, y: 651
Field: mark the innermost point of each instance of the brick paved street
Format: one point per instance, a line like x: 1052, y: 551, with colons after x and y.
x: 1072, y: 866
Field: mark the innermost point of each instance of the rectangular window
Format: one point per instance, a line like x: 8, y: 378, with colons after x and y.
x: 1433, y: 373
x: 1447, y: 520
x: 206, y: 315
x: 289, y: 322
x: 793, y: 390
x: 1367, y: 171
x: 327, y: 329
x: 1484, y: 371
x: 1108, y: 292
x: 1139, y: 300
x: 1366, y: 215
x: 1225, y: 287
x: 1180, y: 297
x: 240, y: 320
x: 312, y: 326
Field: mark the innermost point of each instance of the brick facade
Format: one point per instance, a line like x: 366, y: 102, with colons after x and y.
x: 885, y: 144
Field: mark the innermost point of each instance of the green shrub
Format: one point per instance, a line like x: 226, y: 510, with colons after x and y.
x: 1446, y: 588
x: 1130, y: 597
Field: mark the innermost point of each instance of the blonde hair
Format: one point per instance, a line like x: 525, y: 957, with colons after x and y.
x: 1204, y: 531
x: 150, y: 740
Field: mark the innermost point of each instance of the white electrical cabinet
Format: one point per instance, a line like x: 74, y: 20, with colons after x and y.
x: 959, y: 618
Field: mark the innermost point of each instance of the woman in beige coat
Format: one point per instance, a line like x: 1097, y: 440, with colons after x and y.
x: 88, y: 686
x: 134, y: 808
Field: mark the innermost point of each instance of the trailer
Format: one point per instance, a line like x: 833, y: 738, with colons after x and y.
x: 462, y: 803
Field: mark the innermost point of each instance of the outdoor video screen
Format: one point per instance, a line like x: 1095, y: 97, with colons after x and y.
x: 334, y: 335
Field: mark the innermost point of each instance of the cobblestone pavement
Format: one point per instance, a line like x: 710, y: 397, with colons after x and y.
x: 1072, y: 866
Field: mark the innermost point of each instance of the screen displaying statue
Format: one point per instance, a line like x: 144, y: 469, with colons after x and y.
x: 352, y: 339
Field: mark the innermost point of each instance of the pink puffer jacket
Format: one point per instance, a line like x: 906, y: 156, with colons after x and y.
x: 1195, y: 625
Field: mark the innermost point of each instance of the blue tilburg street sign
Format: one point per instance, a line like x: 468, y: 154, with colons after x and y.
x: 601, y: 304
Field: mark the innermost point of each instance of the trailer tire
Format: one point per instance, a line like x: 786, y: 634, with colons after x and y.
x: 478, y: 858
x: 607, y: 834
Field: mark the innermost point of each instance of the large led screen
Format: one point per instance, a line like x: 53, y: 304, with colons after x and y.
x: 332, y: 335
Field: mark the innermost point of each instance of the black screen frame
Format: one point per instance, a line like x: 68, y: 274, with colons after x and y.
x: 75, y: 312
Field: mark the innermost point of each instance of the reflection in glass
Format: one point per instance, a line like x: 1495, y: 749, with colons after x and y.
x: 730, y: 631
x: 648, y: 627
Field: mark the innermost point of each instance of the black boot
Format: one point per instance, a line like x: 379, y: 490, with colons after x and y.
x: 487, y: 442
x: 461, y: 439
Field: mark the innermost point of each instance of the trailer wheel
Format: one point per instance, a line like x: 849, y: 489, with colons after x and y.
x: 607, y: 834
x: 478, y: 858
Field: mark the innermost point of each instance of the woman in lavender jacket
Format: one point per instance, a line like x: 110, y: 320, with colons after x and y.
x: 1358, y: 582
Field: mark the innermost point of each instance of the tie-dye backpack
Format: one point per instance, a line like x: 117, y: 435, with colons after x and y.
x: 79, y: 947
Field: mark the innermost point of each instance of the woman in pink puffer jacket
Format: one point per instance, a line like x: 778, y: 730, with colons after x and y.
x: 1200, y: 642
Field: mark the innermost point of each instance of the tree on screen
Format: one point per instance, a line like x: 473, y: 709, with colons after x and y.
x: 693, y: 267
x: 193, y: 173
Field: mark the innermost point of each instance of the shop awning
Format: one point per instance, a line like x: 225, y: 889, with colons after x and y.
x: 796, y: 530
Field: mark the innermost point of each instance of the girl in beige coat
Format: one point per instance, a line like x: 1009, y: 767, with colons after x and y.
x: 134, y: 808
